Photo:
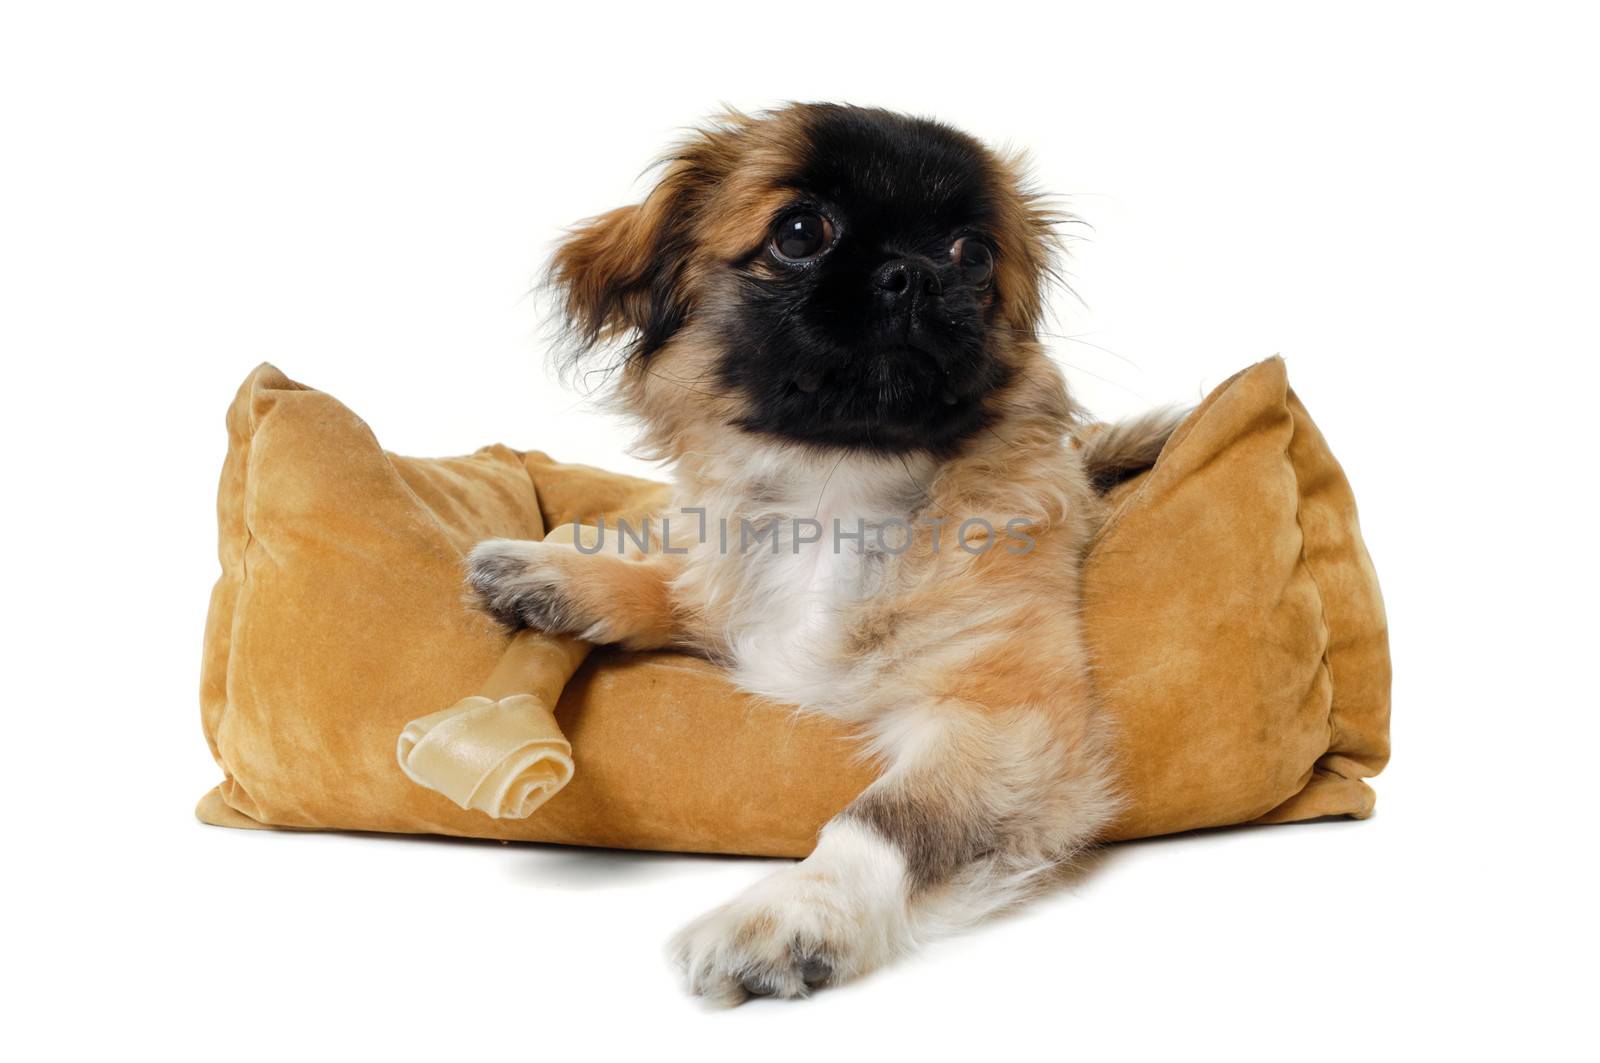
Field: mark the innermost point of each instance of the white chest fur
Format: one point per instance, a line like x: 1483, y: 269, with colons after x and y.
x: 797, y: 545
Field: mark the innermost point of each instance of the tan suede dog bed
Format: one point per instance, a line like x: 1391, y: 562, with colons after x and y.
x: 1235, y: 617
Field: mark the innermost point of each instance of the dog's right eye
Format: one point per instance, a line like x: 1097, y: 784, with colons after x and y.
x: 802, y: 236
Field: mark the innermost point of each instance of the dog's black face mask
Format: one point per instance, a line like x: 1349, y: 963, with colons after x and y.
x: 868, y: 317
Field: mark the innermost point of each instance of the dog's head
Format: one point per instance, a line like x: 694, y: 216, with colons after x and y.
x: 823, y: 275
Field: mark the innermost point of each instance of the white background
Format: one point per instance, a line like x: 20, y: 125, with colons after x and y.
x: 1401, y: 199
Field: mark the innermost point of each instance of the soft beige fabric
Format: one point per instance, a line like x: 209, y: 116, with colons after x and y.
x: 1239, y: 638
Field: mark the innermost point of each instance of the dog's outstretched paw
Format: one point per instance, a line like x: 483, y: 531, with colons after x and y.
x: 788, y: 936
x: 520, y: 584
x: 737, y: 952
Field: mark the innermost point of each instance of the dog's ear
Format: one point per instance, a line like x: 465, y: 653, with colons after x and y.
x: 622, y: 273
x: 624, y: 276
x: 1031, y: 243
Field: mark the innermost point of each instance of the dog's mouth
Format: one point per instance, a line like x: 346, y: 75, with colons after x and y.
x: 923, y: 357
x: 901, y: 400
x: 899, y: 376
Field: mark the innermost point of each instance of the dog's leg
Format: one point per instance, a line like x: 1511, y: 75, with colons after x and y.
x: 973, y: 809
x: 600, y: 597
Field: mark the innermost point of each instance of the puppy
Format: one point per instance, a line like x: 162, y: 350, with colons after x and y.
x: 826, y: 318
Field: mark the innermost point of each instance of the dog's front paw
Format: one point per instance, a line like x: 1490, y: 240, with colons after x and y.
x: 522, y: 584
x: 791, y: 934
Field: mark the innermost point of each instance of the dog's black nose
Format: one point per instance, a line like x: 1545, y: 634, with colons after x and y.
x: 903, y: 280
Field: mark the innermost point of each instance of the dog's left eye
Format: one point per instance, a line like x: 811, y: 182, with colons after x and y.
x: 974, y: 259
x: 802, y: 236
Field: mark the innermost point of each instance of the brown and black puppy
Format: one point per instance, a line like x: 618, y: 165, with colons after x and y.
x: 826, y: 318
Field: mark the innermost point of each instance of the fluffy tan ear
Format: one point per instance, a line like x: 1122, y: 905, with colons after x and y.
x: 1030, y: 242
x: 628, y: 271
x: 622, y: 273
